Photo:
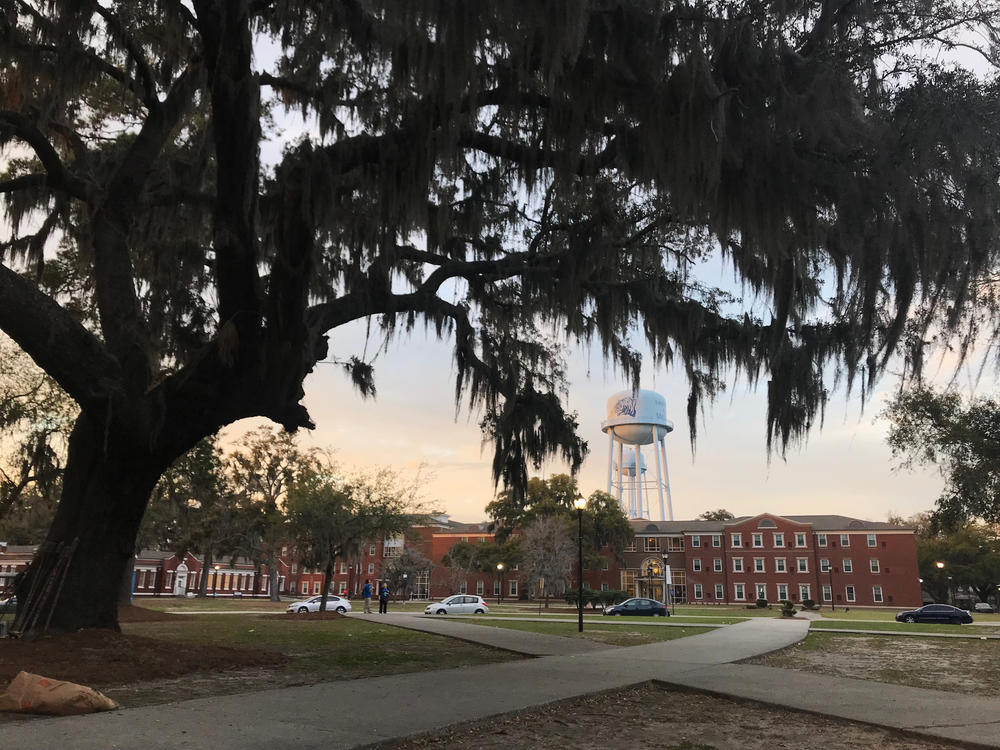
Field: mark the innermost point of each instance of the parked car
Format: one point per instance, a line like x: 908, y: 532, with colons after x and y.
x: 983, y: 607
x: 8, y: 605
x: 936, y: 613
x: 638, y: 606
x: 333, y: 604
x: 460, y: 604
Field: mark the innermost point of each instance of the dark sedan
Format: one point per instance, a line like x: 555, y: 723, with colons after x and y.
x: 638, y: 607
x: 936, y: 613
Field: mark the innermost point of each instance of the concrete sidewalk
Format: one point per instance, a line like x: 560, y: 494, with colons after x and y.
x: 360, y: 712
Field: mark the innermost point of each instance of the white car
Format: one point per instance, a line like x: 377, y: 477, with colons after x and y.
x: 333, y: 604
x: 460, y: 604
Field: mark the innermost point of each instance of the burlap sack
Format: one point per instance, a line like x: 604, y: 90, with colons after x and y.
x: 34, y: 694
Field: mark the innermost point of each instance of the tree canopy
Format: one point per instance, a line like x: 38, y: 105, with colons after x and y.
x: 511, y: 176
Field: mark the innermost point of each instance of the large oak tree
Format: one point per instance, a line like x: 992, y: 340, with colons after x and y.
x: 508, y: 174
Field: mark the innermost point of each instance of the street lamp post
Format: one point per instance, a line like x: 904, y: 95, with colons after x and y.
x: 832, y: 595
x: 579, y: 503
x: 668, y: 598
x: 940, y: 566
x: 215, y: 582
x: 404, y: 586
x: 500, y: 573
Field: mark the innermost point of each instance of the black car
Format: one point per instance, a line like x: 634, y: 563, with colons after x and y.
x: 638, y: 607
x: 936, y: 613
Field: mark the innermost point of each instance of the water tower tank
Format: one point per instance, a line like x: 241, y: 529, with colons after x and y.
x: 632, y: 416
x: 628, y: 464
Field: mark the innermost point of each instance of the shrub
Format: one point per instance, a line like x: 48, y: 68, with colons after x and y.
x: 787, y: 608
x: 762, y: 604
x: 808, y: 604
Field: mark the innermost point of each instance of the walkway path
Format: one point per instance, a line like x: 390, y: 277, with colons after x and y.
x: 359, y: 712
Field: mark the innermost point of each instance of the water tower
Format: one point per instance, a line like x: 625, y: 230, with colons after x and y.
x: 636, y: 419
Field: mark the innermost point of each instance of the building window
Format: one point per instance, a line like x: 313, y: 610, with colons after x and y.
x: 514, y: 566
x: 758, y: 565
x: 827, y: 592
x: 758, y: 540
x: 651, y: 544
x: 295, y: 568
x: 780, y: 565
x: 737, y: 540
x: 628, y: 581
x: 371, y: 567
x: 604, y: 564
x: 630, y: 547
x: 496, y: 588
x: 871, y: 540
x: 821, y: 540
x: 463, y: 587
x: 848, y: 565
x: 371, y: 549
x: 779, y: 539
x: 719, y: 593
x: 845, y: 540
x: 824, y: 565
x: 479, y: 587
x: 605, y: 587
x: 740, y: 592
x: 800, y: 539
x: 696, y: 541
x: 316, y: 587
x: 696, y: 565
x: 877, y: 594
x: 716, y: 540
x: 675, y: 544
x: 698, y: 592
x: 512, y: 587
x: 782, y: 592
x: 305, y: 587
x: 737, y: 564
x: 464, y: 539
x: 849, y: 591
x: 762, y: 591
x: 804, y: 591
x: 482, y: 540
x: 717, y: 564
x: 873, y: 565
x: 343, y: 567
x: 802, y: 564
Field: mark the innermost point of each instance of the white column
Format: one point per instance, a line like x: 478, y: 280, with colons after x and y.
x: 659, y: 474
x: 666, y: 477
x: 611, y: 448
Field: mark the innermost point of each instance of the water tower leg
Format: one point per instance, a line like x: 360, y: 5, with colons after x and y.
x: 659, y: 473
x: 638, y: 483
x: 666, y: 477
x: 621, y: 476
x: 611, y: 449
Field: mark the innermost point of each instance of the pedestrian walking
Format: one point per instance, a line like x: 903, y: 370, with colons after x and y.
x: 383, y: 600
x: 366, y: 593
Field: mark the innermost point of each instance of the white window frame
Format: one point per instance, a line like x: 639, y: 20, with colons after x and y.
x: 315, y: 587
x: 821, y: 540
x: 800, y: 539
x: 827, y: 592
x: 496, y: 588
x: 716, y: 540
x: 872, y: 541
x: 696, y: 564
x: 371, y: 568
x: 779, y: 539
x: 824, y: 565
x: 650, y: 544
x: 479, y: 587
x: 780, y: 565
x: 720, y: 591
x: 845, y: 540
x: 873, y: 565
x: 758, y: 565
x: 305, y: 588
x: 737, y: 564
x: 371, y: 550
x: 463, y: 587
x: 801, y: 564
x: 736, y: 540
x: 696, y: 541
x: 847, y: 566
x: 512, y: 587
x: 698, y: 591
x: 757, y: 540
x: 805, y: 591
x: 850, y: 594
x: 761, y: 590
x: 782, y: 591
x: 877, y: 596
x: 716, y: 564
x: 739, y: 592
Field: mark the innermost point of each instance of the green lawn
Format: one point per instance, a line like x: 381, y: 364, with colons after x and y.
x: 612, y: 630
x: 904, y: 627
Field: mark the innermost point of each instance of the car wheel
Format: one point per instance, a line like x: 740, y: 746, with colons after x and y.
x: 303, y: 610
x: 909, y: 618
x: 442, y: 611
x: 342, y: 610
x: 480, y: 611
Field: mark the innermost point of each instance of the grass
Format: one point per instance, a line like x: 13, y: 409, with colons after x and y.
x: 613, y: 631
x: 903, y: 627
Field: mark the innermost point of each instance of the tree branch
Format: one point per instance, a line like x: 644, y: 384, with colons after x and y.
x: 58, y: 176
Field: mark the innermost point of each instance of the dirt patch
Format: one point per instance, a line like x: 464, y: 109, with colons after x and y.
x: 667, y: 719
x: 952, y: 664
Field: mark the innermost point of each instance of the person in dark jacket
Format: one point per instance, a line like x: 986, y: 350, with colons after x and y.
x: 383, y: 600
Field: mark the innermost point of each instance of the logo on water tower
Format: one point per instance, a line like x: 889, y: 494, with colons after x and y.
x: 625, y: 407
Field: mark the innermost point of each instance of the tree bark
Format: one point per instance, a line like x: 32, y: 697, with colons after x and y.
x: 107, y: 484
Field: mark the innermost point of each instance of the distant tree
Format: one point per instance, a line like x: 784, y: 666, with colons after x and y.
x: 971, y: 557
x: 548, y: 552
x: 961, y: 439
x: 922, y: 523
x: 30, y: 518
x: 330, y: 517
x: 717, y: 515
x: 402, y: 571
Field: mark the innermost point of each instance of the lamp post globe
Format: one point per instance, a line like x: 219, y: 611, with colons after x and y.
x: 500, y: 573
x: 579, y: 503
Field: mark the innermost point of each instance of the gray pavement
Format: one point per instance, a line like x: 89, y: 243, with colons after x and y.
x: 360, y: 712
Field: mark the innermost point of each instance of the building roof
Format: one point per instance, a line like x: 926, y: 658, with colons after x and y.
x: 19, y: 549
x: 818, y: 522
